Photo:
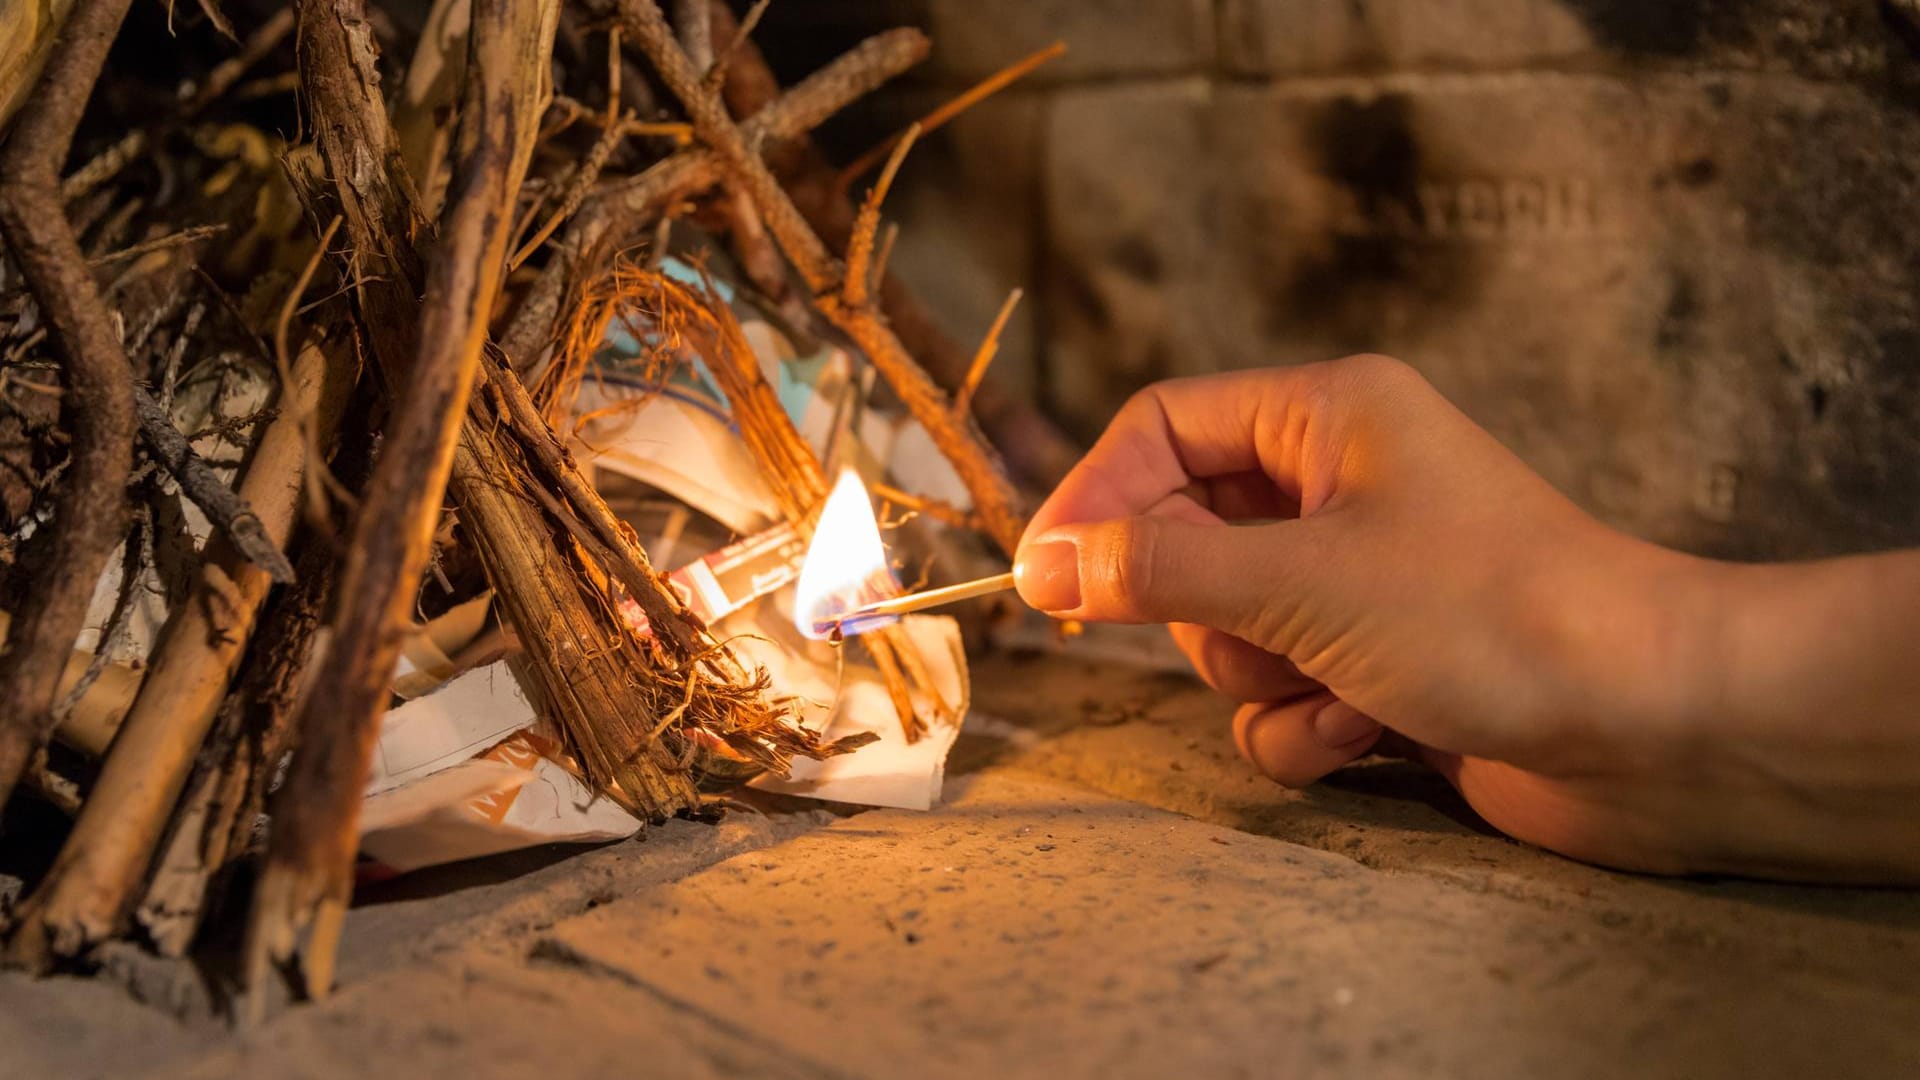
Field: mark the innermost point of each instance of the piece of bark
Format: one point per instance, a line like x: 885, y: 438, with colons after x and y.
x: 85, y: 897
x: 308, y: 873
x: 1000, y: 505
x: 96, y: 408
x: 602, y: 671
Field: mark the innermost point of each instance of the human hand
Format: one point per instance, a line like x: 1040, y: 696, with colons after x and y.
x: 1347, y: 555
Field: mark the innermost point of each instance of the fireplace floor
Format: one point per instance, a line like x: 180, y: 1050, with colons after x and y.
x: 1108, y: 891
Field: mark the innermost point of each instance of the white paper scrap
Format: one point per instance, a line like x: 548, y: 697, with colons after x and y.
x: 513, y: 796
x: 677, y: 446
x: 446, y: 727
x: 891, y: 772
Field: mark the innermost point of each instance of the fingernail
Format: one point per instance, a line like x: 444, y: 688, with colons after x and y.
x: 1339, y: 724
x: 1048, y: 575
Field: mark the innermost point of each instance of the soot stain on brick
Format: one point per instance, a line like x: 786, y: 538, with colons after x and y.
x: 1136, y: 256
x: 1656, y: 27
x: 1817, y: 397
x: 1661, y: 28
x: 1677, y: 320
x: 1370, y: 148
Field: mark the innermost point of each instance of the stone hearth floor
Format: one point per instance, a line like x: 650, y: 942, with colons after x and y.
x: 1108, y: 892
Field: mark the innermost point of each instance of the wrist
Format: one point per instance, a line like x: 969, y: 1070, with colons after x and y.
x: 1797, y: 711
x: 1640, y: 649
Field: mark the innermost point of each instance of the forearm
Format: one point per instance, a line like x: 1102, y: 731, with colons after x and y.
x: 1826, y: 653
x: 1814, y: 702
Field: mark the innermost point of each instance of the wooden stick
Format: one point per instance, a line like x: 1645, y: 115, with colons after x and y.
x: 308, y: 874
x: 90, y: 510
x: 933, y: 508
x: 85, y: 896
x: 883, y: 256
x: 930, y: 598
x: 989, y: 347
x: 866, y: 226
x: 262, y: 41
x: 1000, y: 505
x: 212, y: 827
x: 230, y: 513
x: 972, y: 96
x: 589, y: 172
x: 717, y: 74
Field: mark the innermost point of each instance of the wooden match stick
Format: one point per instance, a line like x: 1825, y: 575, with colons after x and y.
x: 921, y: 601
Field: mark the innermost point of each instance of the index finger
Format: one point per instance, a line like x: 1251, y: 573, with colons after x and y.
x: 1174, y: 433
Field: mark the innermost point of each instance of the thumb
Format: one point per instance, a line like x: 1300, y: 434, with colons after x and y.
x: 1157, y: 569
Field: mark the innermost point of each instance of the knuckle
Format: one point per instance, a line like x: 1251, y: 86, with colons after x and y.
x: 1129, y: 556
x: 1144, y: 403
x: 1378, y: 370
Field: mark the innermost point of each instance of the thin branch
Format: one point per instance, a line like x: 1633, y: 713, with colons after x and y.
x: 972, y: 96
x: 228, y: 511
x: 866, y: 226
x: 801, y: 109
x: 263, y: 41
x: 611, y: 135
x: 717, y: 74
x: 920, y: 504
x: 90, y: 509
x: 885, y: 255
x: 989, y: 347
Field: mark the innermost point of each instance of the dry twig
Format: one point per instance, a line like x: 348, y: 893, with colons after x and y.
x: 229, y: 512
x: 97, y: 408
x: 967, y: 99
x: 308, y: 875
x: 866, y: 226
x: 609, y: 220
x: 989, y: 346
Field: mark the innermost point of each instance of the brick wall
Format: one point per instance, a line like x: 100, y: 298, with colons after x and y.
x: 1665, y: 249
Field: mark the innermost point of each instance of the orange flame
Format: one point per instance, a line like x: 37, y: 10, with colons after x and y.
x: 846, y: 564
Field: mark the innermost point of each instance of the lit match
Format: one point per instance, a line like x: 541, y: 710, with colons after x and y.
x: 845, y: 583
x: 921, y: 601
